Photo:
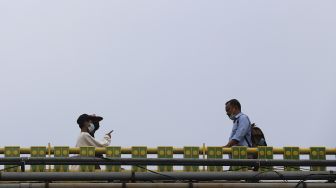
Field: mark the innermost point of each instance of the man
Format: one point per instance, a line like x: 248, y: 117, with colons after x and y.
x: 241, y: 130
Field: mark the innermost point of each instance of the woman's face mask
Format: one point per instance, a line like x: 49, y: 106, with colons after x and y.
x: 91, y: 128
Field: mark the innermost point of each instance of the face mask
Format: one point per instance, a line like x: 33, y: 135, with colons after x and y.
x: 232, y: 117
x: 91, y: 128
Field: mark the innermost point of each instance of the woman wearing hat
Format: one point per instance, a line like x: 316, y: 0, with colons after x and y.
x: 88, y: 125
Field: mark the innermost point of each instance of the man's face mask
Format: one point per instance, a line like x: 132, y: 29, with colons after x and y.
x: 91, y: 128
x: 229, y: 114
x: 232, y: 117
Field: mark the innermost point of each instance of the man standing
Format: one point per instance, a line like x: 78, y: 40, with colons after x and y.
x: 241, y: 130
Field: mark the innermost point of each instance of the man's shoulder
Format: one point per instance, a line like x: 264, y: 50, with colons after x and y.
x: 243, y: 116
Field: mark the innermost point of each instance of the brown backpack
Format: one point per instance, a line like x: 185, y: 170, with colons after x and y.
x: 257, y: 136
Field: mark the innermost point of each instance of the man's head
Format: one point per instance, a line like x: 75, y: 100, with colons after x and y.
x: 86, y: 122
x: 232, y: 108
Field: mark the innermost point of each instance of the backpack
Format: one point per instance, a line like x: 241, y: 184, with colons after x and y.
x: 257, y: 136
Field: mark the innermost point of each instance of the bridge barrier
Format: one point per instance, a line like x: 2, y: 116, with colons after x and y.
x: 188, y: 152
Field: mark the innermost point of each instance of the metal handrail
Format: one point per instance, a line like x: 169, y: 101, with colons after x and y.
x: 175, y: 176
x: 128, y: 150
x: 160, y: 161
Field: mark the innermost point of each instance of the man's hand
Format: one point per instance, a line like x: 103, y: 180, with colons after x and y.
x: 231, y: 143
x: 109, y: 134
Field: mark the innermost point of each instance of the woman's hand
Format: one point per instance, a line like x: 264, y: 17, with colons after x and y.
x: 109, y: 134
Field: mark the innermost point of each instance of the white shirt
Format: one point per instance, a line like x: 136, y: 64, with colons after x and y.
x: 85, y: 139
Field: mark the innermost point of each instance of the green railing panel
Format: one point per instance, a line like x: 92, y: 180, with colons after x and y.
x: 87, y: 151
x: 294, y: 154
x: 239, y: 152
x: 215, y: 153
x: 61, y: 151
x: 139, y: 152
x: 265, y: 152
x: 318, y: 153
x: 165, y: 152
x: 38, y: 151
x: 113, y: 152
x: 12, y: 151
x: 191, y: 152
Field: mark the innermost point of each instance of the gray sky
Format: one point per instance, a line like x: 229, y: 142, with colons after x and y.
x: 160, y: 72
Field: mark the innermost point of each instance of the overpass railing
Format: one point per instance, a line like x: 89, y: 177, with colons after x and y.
x: 266, y: 158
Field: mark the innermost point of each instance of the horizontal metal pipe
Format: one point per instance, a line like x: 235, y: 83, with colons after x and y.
x: 164, y: 185
x: 160, y: 161
x: 329, y: 151
x: 175, y: 176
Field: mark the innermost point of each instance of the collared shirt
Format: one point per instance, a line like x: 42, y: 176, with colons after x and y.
x: 241, y: 130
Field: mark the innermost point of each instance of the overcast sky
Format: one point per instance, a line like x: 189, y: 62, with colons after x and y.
x: 160, y: 72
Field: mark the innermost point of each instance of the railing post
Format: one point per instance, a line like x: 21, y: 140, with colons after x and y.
x: 294, y: 154
x: 38, y: 151
x: 214, y: 153
x: 318, y: 153
x: 239, y: 152
x: 265, y: 152
x: 165, y: 152
x: 12, y: 151
x: 113, y: 152
x: 87, y: 151
x: 139, y: 152
x: 191, y: 152
x: 61, y: 151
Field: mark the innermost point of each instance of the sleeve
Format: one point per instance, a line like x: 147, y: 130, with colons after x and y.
x: 93, y: 142
x: 242, y: 130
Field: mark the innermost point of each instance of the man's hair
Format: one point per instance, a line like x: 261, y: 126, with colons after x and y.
x: 234, y: 102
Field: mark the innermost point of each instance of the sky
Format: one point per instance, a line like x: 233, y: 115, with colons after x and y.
x: 160, y: 71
